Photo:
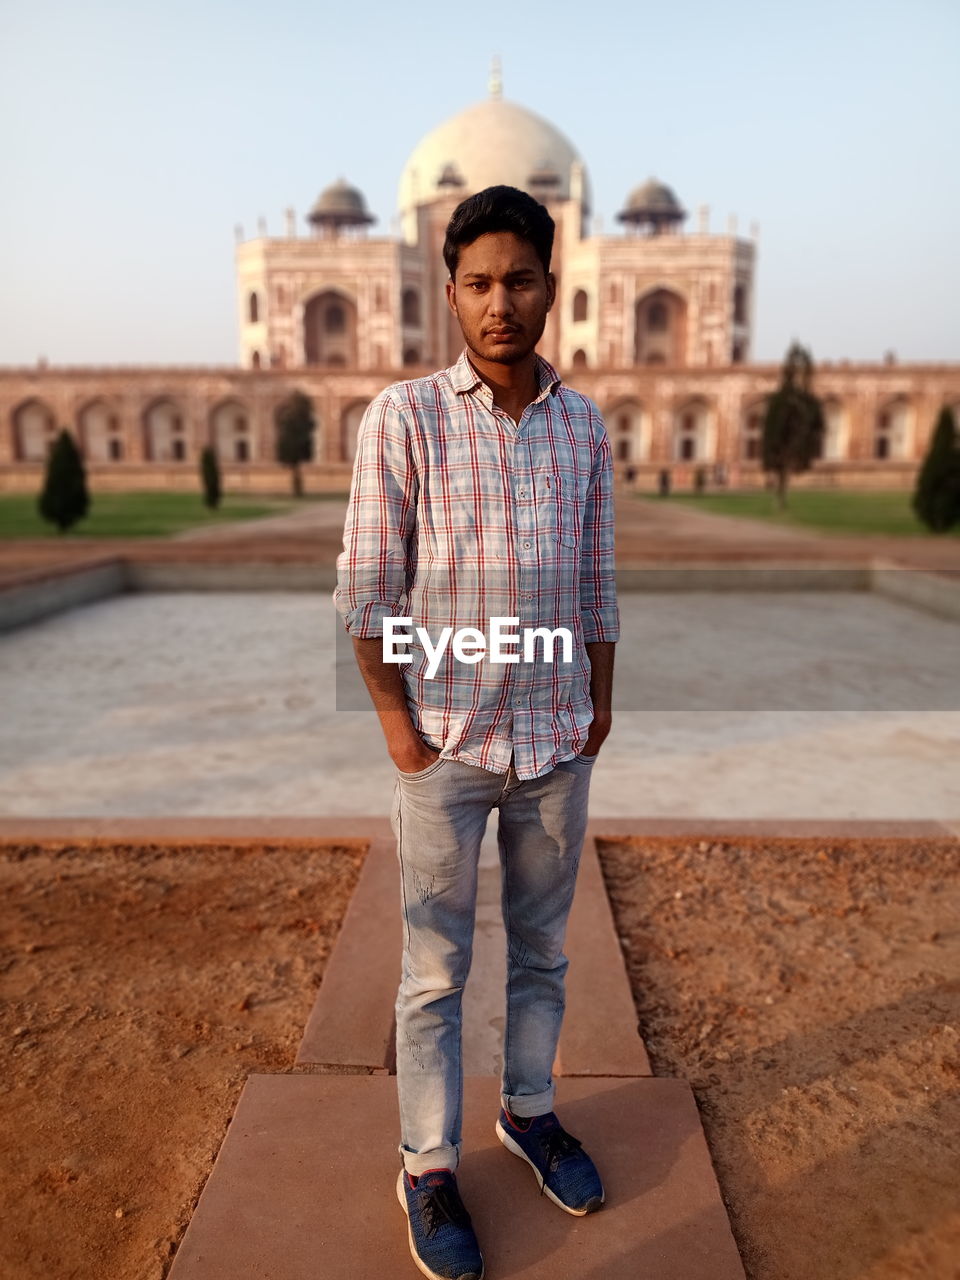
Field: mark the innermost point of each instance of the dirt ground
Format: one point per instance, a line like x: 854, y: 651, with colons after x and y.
x: 141, y: 985
x: 809, y: 991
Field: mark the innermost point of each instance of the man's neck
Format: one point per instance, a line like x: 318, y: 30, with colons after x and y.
x: 514, y: 386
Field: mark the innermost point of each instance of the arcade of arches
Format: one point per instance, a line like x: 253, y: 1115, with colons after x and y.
x: 131, y: 423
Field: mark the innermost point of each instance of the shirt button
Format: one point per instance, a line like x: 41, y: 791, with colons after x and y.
x: 526, y: 544
x: 521, y: 492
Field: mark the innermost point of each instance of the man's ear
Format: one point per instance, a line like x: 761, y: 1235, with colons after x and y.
x: 551, y: 289
x: 452, y: 298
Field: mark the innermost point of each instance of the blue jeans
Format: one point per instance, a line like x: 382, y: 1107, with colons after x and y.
x: 439, y: 817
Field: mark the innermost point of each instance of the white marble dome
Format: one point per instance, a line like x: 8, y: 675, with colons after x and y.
x: 489, y: 143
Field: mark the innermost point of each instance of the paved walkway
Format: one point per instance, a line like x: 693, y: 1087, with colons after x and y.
x: 303, y: 1185
x: 648, y: 532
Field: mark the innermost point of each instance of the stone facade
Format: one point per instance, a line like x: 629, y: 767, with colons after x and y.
x: 653, y: 323
x: 144, y: 428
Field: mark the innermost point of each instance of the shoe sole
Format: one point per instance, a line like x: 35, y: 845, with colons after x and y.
x: 592, y: 1205
x: 402, y: 1197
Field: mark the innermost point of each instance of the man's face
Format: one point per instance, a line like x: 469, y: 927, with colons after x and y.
x: 501, y: 296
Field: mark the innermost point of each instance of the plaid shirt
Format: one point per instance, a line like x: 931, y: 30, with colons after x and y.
x: 457, y: 515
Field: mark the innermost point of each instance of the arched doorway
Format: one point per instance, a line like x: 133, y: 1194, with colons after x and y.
x: 893, y: 431
x: 692, y: 432
x: 34, y: 431
x: 751, y: 431
x: 628, y: 428
x: 230, y: 432
x: 330, y: 330
x: 101, y: 438
x: 164, y: 433
x: 660, y: 328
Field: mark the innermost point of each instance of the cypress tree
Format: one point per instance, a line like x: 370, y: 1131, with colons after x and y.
x: 794, y: 425
x: 210, y: 475
x: 936, y: 498
x: 64, y: 498
x: 295, y: 428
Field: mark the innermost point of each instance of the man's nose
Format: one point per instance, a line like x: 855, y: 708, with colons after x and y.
x: 499, y: 301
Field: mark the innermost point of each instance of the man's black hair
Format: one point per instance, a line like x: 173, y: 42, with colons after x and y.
x: 498, y: 209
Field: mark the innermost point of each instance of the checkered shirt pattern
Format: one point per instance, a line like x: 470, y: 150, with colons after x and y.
x: 457, y: 514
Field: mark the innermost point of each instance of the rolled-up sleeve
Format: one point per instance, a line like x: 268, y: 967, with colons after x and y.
x: 373, y: 568
x: 599, y: 614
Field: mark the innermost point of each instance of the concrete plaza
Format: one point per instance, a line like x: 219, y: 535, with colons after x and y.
x: 840, y: 705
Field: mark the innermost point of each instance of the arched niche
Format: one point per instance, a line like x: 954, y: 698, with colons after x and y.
x: 893, y: 430
x: 692, y: 431
x: 164, y: 432
x: 660, y: 328
x: 101, y: 437
x: 628, y: 427
x: 230, y: 432
x: 330, y: 330
x: 751, y: 429
x: 34, y: 431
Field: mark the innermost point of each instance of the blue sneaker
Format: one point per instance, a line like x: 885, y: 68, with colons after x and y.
x: 564, y: 1170
x: 441, y: 1236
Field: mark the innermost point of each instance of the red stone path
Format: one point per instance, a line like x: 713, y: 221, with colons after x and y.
x: 648, y: 532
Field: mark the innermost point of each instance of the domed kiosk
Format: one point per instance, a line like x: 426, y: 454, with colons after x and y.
x: 339, y: 206
x: 652, y: 205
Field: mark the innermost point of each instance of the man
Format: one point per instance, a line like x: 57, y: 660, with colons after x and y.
x: 483, y: 493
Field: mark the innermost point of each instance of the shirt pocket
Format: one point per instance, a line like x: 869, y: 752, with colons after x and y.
x: 560, y: 508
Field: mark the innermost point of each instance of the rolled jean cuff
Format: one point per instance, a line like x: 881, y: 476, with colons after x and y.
x: 417, y: 1162
x: 525, y: 1105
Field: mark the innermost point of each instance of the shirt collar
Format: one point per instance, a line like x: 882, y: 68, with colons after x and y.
x: 464, y: 377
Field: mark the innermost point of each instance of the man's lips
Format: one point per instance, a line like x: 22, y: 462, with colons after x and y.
x: 501, y: 333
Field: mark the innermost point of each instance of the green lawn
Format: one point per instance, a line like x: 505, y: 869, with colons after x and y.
x: 826, y: 510
x: 133, y: 515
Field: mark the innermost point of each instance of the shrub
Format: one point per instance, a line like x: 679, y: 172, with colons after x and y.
x: 936, y: 498
x: 210, y: 475
x: 295, y: 428
x: 64, y: 498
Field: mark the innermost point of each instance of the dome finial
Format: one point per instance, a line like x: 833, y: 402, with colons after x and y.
x: 496, y: 79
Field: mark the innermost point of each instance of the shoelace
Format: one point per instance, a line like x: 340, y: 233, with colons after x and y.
x: 443, y: 1204
x: 557, y: 1145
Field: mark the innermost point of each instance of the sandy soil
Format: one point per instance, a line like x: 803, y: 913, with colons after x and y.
x: 810, y: 993
x: 141, y: 987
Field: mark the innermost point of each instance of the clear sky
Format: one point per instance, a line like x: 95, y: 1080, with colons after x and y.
x: 135, y: 136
